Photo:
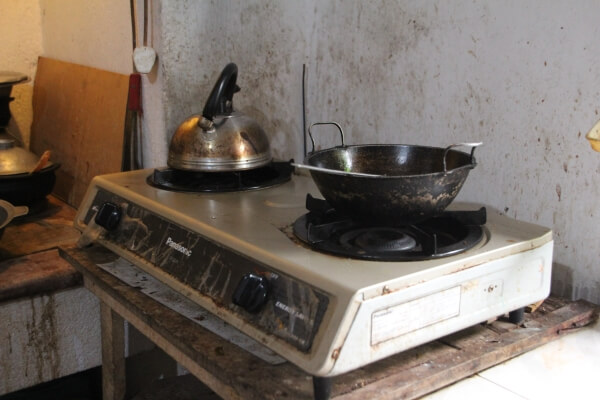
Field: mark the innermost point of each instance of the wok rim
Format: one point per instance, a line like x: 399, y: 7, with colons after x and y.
x: 472, y: 165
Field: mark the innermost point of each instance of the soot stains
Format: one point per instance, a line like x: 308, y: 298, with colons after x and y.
x: 260, y: 37
x: 364, y: 75
x: 42, y: 340
x: 363, y: 64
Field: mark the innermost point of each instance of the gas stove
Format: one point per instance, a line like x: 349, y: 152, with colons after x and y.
x: 236, y: 254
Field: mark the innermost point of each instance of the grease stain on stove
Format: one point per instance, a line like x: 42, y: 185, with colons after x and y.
x: 284, y: 202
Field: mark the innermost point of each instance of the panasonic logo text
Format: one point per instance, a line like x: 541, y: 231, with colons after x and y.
x: 178, y: 247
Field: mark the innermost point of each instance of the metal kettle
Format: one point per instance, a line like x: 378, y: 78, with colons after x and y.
x: 220, y: 139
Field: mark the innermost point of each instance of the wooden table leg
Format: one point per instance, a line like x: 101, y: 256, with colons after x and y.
x: 113, y: 354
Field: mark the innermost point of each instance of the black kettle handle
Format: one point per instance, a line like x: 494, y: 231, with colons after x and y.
x: 221, y: 96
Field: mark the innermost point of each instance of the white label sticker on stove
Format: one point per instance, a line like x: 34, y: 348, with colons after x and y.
x: 406, y: 317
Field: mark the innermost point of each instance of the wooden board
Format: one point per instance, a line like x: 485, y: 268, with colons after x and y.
x: 39, y: 231
x: 78, y: 114
x: 35, y: 274
x: 236, y: 374
x: 29, y: 261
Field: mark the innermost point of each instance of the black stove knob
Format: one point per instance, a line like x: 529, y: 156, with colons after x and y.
x: 251, y: 292
x: 108, y: 216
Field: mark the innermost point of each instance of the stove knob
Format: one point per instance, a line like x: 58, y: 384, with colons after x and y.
x: 251, y: 293
x: 108, y: 216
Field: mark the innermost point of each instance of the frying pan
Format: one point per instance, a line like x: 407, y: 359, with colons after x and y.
x: 403, y: 185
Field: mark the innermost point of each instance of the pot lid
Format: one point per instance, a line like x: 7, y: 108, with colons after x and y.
x: 11, y: 78
x: 14, y: 159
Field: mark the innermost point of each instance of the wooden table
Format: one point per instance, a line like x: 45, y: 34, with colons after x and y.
x: 29, y: 260
x: 236, y: 374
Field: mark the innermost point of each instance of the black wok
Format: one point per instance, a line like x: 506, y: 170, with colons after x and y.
x: 409, y: 183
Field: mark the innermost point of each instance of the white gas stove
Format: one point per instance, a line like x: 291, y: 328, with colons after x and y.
x: 235, y: 255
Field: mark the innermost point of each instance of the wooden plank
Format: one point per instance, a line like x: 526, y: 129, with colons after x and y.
x: 113, y: 354
x: 78, y: 114
x: 233, y: 373
x: 39, y: 273
x: 40, y: 231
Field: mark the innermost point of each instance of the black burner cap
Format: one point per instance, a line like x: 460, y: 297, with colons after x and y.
x: 190, y: 181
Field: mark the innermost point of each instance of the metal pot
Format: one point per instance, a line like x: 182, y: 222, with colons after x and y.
x: 220, y: 139
x: 409, y: 183
x: 19, y: 183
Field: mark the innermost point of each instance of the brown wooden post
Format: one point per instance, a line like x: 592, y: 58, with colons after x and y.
x: 113, y: 354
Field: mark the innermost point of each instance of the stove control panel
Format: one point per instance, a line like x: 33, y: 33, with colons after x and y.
x: 108, y: 216
x: 251, y: 293
x: 275, y: 303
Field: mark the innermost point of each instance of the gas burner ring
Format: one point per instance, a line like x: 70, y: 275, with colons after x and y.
x: 378, y: 239
x: 448, y: 234
x: 276, y: 173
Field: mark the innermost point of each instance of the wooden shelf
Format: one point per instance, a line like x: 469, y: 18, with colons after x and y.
x: 29, y: 260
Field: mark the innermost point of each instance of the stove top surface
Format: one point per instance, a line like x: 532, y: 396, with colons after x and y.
x: 259, y: 223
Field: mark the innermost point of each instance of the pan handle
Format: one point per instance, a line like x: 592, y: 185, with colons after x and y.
x: 473, y: 146
x: 324, y: 123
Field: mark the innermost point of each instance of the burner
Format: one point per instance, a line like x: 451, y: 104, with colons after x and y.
x: 378, y: 239
x: 189, y: 181
x: 451, y: 233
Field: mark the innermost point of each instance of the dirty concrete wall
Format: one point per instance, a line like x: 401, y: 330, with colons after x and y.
x: 47, y: 337
x: 520, y: 77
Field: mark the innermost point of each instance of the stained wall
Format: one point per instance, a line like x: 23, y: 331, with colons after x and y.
x: 520, y: 77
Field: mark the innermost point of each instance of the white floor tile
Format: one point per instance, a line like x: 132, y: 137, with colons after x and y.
x: 568, y: 367
x: 474, y: 388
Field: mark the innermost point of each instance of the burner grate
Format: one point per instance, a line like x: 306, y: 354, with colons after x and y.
x: 190, y: 181
x: 382, y: 239
x: 452, y: 232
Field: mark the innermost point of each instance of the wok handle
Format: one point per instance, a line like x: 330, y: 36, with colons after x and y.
x: 473, y: 146
x: 324, y: 123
